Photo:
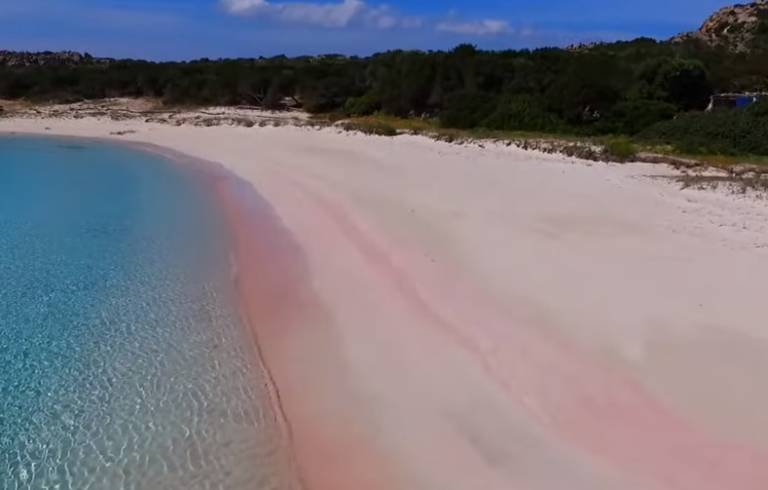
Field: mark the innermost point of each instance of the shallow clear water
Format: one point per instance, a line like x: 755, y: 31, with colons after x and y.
x: 123, y: 363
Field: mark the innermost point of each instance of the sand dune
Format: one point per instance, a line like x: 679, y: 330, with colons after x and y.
x: 446, y: 317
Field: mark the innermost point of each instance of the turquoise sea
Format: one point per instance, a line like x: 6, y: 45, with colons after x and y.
x: 123, y: 362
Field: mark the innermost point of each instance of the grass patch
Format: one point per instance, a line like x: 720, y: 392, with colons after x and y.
x: 376, y: 128
x: 735, y: 185
x: 615, y: 148
x: 713, y: 160
x: 431, y: 127
x: 412, y: 125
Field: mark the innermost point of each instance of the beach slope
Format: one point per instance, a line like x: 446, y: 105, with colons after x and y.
x: 453, y: 317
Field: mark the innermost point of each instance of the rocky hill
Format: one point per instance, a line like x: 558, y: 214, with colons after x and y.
x: 46, y: 58
x: 738, y: 28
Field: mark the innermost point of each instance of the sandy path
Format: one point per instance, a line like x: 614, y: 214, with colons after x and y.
x: 498, y: 319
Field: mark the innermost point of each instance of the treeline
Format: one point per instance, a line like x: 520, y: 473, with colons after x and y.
x: 618, y: 88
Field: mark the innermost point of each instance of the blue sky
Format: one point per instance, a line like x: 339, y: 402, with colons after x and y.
x: 183, y: 29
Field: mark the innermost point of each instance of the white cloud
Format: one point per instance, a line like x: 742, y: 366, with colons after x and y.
x: 487, y: 27
x: 331, y: 15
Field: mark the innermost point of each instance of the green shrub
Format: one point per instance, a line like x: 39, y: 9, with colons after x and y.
x: 522, y: 113
x: 362, y: 106
x: 620, y: 149
x: 373, y: 128
x: 686, y: 83
x: 729, y: 132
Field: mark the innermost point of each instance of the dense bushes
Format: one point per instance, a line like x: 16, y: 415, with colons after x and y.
x: 758, y: 110
x: 620, y: 149
x: 464, y: 110
x: 621, y: 88
x: 377, y: 128
x: 521, y: 112
x: 362, y: 106
x: 742, y: 131
x: 682, y: 82
x: 632, y: 116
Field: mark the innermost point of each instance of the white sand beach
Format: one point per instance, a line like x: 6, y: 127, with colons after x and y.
x: 501, y: 319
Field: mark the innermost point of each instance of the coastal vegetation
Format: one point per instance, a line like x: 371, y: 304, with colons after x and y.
x: 738, y: 132
x: 639, y: 92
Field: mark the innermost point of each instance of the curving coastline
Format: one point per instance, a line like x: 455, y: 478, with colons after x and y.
x: 123, y: 351
x: 422, y: 343
x: 269, y: 275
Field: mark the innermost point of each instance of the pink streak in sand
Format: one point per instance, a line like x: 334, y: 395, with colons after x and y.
x: 590, y: 405
x: 289, y: 324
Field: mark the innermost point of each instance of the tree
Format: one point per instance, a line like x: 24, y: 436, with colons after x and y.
x: 685, y: 83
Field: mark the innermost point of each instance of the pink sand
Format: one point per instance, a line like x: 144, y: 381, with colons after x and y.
x: 451, y: 318
x: 583, y: 402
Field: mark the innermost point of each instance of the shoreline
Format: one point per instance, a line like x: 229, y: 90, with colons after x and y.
x: 230, y: 194
x: 281, y: 302
x: 749, y: 173
x: 438, y: 375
